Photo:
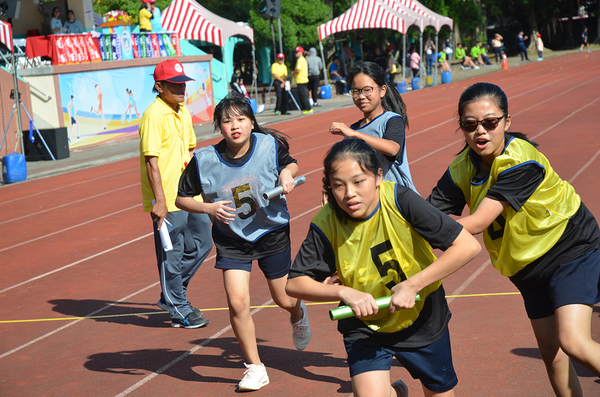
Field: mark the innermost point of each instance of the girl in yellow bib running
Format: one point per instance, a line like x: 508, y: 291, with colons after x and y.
x: 535, y: 228
x: 376, y: 237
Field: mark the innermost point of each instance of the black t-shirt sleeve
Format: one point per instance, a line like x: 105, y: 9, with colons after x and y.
x: 283, y: 156
x: 395, y: 131
x: 315, y: 258
x: 189, y: 182
x: 447, y: 196
x: 517, y: 184
x: 437, y: 228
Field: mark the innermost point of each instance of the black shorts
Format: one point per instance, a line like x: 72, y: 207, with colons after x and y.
x: 574, y: 282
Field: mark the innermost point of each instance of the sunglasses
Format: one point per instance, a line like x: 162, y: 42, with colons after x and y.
x: 488, y: 124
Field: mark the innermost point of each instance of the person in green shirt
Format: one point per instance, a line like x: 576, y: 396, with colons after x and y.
x: 461, y: 53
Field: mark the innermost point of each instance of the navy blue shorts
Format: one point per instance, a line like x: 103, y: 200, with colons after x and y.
x: 574, y: 282
x: 431, y: 364
x: 273, y: 267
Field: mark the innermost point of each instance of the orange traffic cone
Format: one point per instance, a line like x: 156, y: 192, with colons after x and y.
x: 504, y: 62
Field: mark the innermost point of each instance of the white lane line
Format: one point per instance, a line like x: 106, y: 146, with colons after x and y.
x: 69, y: 228
x: 70, y: 203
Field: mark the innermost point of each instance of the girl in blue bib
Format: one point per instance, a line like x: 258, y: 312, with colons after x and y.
x: 384, y: 123
x: 232, y: 176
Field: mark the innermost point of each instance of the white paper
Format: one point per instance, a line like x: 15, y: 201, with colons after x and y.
x: 164, y: 237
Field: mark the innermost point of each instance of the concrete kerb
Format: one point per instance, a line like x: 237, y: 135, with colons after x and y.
x: 129, y: 147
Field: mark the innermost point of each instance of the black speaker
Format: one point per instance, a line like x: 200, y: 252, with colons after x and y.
x: 10, y: 8
x: 57, y: 140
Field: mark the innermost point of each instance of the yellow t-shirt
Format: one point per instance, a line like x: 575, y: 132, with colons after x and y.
x: 144, y: 17
x: 169, y: 136
x: 279, y: 70
x: 302, y: 65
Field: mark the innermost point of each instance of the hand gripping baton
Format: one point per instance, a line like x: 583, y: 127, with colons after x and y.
x: 276, y: 191
x: 343, y: 312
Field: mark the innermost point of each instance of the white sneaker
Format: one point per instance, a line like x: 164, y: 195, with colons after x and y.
x: 401, y: 388
x: 476, y: 67
x: 255, y: 377
x: 301, y: 329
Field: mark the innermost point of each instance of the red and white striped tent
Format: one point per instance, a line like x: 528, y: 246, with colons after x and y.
x: 194, y: 22
x: 366, y: 14
x: 436, y: 20
x: 6, y: 35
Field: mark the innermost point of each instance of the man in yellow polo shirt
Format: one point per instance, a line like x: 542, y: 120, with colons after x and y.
x: 167, y: 140
x: 301, y: 74
x: 280, y: 74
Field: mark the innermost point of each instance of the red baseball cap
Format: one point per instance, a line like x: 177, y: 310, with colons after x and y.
x: 280, y: 56
x: 299, y: 49
x: 171, y: 71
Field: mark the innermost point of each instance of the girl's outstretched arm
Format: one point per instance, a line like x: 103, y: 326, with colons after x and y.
x: 305, y: 288
x: 484, y: 215
x: 464, y: 248
x: 382, y: 145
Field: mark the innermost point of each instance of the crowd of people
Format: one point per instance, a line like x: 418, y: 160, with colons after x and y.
x: 373, y: 236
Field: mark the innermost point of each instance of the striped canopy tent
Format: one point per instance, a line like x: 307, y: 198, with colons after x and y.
x: 6, y: 38
x: 437, y: 21
x: 194, y: 22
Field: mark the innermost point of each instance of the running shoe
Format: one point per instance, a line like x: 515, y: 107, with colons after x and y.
x: 307, y: 111
x: 277, y: 113
x: 163, y: 306
x: 191, y: 321
x: 301, y: 329
x: 401, y: 388
x: 255, y: 377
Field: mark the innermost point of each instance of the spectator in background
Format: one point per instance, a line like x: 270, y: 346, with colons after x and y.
x: 461, y: 54
x: 155, y: 21
x: 334, y: 74
x: 390, y: 63
x: 145, y: 16
x: 429, y: 55
x: 497, y: 46
x: 357, y: 48
x: 280, y: 74
x: 483, y: 53
x: 539, y: 45
x: 56, y: 25
x: 301, y: 73
x: 521, y: 48
x: 379, y: 58
x: 584, y: 40
x: 72, y: 25
x: 315, y: 66
x: 415, y: 61
x: 448, y: 49
x: 443, y: 63
x: 478, y: 54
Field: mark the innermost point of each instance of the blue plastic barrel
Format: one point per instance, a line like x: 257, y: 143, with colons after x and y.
x: 253, y: 105
x: 446, y: 77
x: 14, y: 168
x: 416, y: 83
x: 401, y: 87
x: 326, y: 92
x: 430, y: 80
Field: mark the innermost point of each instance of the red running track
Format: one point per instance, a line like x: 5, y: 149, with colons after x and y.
x: 79, y: 279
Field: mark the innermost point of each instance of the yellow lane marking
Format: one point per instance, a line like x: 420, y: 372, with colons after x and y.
x: 212, y: 310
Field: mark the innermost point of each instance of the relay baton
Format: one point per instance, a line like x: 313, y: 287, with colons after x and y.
x: 343, y: 312
x: 276, y: 191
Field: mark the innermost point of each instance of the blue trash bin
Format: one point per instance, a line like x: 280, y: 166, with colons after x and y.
x: 416, y: 83
x: 446, y: 77
x: 326, y: 92
x: 14, y: 168
x: 401, y: 87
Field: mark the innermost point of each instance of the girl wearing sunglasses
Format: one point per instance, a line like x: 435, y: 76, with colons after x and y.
x: 535, y: 228
x: 384, y: 122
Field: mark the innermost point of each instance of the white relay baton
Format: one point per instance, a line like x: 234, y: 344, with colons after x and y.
x: 165, y: 238
x: 276, y: 191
